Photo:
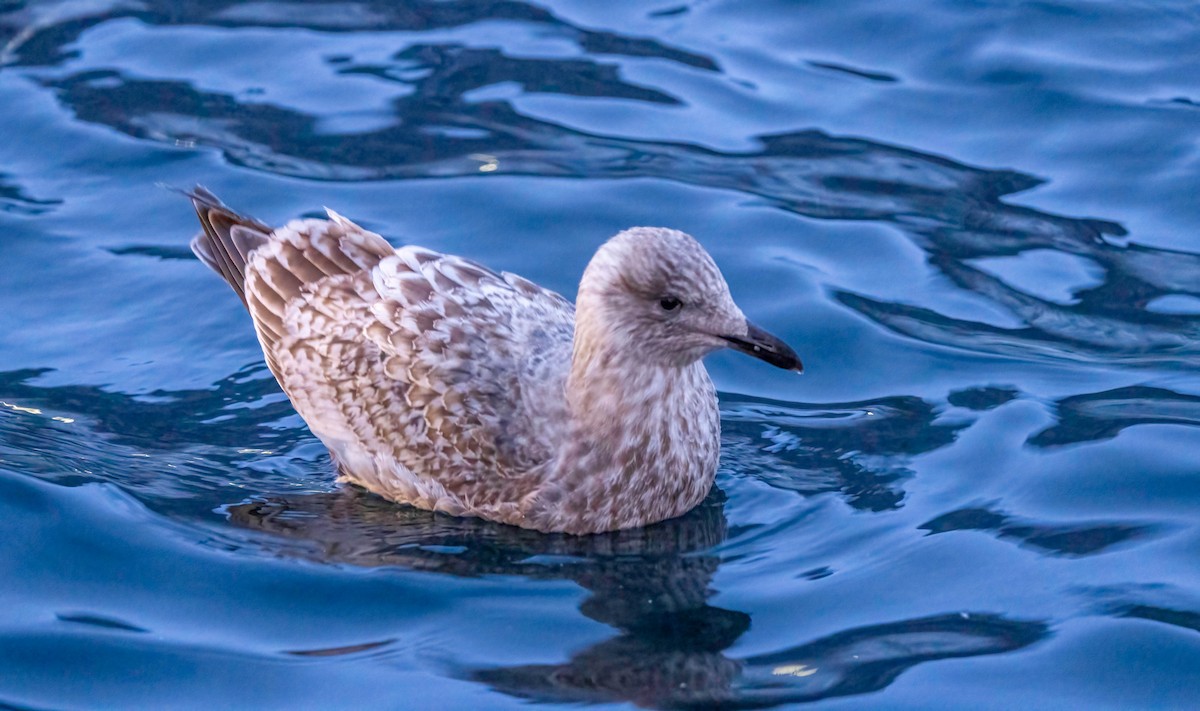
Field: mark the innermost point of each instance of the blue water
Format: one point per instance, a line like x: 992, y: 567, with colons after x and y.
x: 978, y: 222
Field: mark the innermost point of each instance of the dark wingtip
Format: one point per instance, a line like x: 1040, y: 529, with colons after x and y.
x: 198, y: 194
x: 221, y: 245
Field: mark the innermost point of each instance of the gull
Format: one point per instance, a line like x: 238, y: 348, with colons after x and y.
x: 439, y: 383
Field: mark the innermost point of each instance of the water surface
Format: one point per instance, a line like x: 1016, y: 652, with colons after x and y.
x: 978, y: 222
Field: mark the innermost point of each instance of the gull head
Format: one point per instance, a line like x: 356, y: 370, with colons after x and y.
x: 656, y: 295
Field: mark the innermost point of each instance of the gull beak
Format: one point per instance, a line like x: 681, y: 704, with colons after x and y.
x: 764, y: 346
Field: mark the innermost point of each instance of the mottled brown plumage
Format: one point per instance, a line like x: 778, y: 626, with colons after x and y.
x: 439, y: 383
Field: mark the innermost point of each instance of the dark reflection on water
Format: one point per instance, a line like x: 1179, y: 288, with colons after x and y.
x: 102, y: 622
x: 650, y: 585
x: 869, y: 658
x: 1055, y: 539
x: 951, y: 210
x: 175, y: 449
x: 828, y: 574
x: 14, y: 200
x: 358, y: 528
x: 858, y: 449
x: 178, y: 253
x: 1187, y: 619
x: 234, y: 411
x: 857, y: 661
x: 982, y: 398
x: 36, y: 35
x: 1100, y: 416
x: 1163, y: 604
x: 452, y: 71
x: 855, y: 72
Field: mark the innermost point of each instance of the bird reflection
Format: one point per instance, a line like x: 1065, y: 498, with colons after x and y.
x: 351, y: 526
x: 651, y: 585
x: 856, y: 661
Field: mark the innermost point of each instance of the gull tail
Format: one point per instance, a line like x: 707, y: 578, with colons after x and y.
x: 227, y: 240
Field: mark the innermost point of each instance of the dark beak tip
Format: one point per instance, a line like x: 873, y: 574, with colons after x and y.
x: 766, y: 347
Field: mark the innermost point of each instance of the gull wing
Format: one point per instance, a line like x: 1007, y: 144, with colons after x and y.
x: 432, y: 379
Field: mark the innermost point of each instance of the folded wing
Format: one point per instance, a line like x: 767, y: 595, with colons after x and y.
x: 432, y: 379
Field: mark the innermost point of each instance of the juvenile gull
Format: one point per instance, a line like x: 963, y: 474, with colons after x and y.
x: 439, y: 383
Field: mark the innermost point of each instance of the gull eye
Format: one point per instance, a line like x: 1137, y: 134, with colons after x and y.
x: 670, y: 303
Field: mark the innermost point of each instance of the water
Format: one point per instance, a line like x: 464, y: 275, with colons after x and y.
x: 977, y: 221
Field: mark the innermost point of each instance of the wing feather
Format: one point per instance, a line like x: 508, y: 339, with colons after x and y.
x: 412, y: 366
x: 432, y: 379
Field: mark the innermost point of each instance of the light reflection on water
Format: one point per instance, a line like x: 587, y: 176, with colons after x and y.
x: 991, y: 460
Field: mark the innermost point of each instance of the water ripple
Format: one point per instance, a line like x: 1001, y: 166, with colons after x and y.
x: 976, y: 217
x: 953, y: 211
x: 1099, y: 416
